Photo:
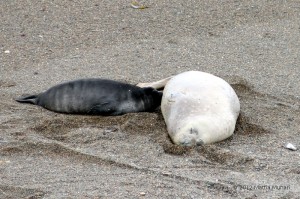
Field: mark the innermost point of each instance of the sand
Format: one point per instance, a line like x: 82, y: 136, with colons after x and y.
x: 254, y: 45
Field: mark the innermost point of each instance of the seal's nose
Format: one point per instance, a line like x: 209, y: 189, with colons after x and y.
x: 200, y: 143
x: 191, y: 142
x: 184, y: 143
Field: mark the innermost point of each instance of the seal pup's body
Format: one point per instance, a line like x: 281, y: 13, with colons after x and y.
x: 198, y: 108
x: 96, y: 97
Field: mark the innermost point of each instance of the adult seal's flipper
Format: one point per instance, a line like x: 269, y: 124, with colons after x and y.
x: 158, y: 85
x: 32, y: 99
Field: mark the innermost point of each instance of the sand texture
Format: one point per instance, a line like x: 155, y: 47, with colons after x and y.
x: 254, y: 45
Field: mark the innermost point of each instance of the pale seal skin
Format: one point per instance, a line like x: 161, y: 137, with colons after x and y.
x: 199, y: 108
x: 96, y: 97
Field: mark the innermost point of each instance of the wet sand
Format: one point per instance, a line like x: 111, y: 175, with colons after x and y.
x: 252, y: 45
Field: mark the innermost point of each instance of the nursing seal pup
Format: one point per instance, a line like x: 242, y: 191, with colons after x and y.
x: 198, y: 108
x: 96, y: 97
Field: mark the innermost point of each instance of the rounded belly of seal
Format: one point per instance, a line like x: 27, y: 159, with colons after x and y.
x: 199, y: 108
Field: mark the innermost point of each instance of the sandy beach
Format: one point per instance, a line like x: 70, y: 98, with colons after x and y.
x: 253, y: 45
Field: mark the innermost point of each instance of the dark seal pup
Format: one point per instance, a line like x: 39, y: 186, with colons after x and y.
x: 96, y: 97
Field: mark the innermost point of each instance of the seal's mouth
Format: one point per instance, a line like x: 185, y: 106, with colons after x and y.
x: 193, y: 142
x: 188, y: 141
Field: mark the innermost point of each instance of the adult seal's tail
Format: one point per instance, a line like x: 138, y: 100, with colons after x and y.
x: 96, y: 97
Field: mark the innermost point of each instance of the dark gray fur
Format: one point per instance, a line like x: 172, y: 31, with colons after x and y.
x: 96, y: 97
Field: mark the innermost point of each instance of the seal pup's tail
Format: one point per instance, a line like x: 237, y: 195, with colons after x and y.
x: 31, y: 99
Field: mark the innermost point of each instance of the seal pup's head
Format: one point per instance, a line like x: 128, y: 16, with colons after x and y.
x: 151, y: 98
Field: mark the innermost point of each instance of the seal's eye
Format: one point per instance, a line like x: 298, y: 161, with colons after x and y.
x: 193, y: 131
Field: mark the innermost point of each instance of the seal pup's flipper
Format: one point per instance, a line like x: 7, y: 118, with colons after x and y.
x: 31, y: 99
x: 106, y: 108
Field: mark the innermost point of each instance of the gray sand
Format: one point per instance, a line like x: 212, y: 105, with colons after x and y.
x: 254, y: 45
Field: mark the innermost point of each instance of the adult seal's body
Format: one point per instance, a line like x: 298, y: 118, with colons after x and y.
x: 198, y: 108
x: 96, y: 97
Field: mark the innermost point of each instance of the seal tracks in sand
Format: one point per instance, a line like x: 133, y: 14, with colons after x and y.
x: 12, y: 116
x: 261, y: 109
x: 60, y: 127
x: 261, y: 105
x: 246, y: 127
x: 56, y: 137
x: 56, y: 148
x: 7, y: 83
x: 245, y: 90
x: 214, y: 156
x: 145, y: 124
x: 47, y: 147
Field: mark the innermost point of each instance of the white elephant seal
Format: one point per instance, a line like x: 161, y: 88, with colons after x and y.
x: 96, y: 97
x: 199, y: 108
